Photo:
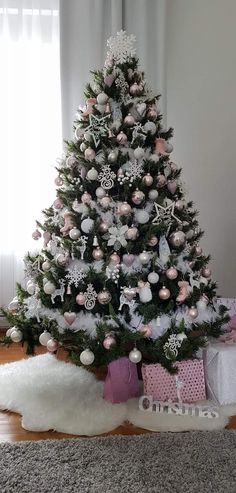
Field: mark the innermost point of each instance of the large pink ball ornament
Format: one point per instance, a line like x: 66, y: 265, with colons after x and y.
x: 193, y: 312
x: 86, y: 198
x: 171, y: 273
x: 128, y: 259
x: 125, y: 209
x: 80, y: 299
x: 137, y: 196
x: 177, y: 239
x: 152, y: 114
x: 179, y: 205
x: 114, y: 259
x: 36, y: 235
x: 121, y: 138
x: 161, y: 181
x: 148, y: 180
x: 172, y: 186
x: 206, y: 272
x: 97, y: 253
x: 106, y: 201
x: 89, y: 154
x: 153, y: 241
x: 58, y: 181
x: 135, y: 89
x: 44, y: 338
x: 132, y: 233
x: 164, y: 293
x: 129, y: 120
x: 58, y: 204
x: 103, y: 227
x: 104, y: 297
x: 109, y: 342
x: 52, y: 345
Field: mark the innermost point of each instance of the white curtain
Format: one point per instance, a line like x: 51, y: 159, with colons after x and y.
x: 85, y: 26
x: 30, y: 126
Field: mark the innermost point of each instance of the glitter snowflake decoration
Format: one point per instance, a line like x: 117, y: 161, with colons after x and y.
x: 75, y: 276
x: 135, y: 170
x: 121, y: 47
x: 31, y: 269
x: 106, y: 177
x: 117, y: 236
x: 121, y: 84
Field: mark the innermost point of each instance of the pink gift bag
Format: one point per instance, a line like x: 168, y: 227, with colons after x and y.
x: 121, y: 381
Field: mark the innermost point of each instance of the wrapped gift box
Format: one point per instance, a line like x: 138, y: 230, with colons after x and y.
x: 121, y: 381
x: 220, y: 372
x: 188, y: 385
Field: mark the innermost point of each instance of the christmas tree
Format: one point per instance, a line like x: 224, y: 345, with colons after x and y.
x: 121, y: 271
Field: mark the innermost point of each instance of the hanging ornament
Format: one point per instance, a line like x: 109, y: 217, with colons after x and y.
x: 206, y: 272
x: 49, y: 287
x: 153, y: 194
x: 104, y: 226
x: 83, y: 147
x: 193, y: 312
x: 129, y: 120
x: 46, y: 238
x: 172, y: 186
x: 150, y: 127
x: 153, y: 277
x: 198, y: 251
x: 145, y: 293
x: 75, y: 276
x: 181, y: 337
x: 102, y: 98
x: 58, y: 181
x: 152, y: 113
x: 109, y: 341
x: 89, y: 154
x: 144, y: 257
x: 128, y: 259
x: 44, y: 338
x: 82, y: 247
x: 68, y: 223
x: 164, y: 293
x: 30, y: 287
x: 114, y: 258
x: 135, y: 89
x: 121, y: 138
x: 52, y: 345
x: 97, y: 253
x: 74, y: 233
x: 80, y: 299
x: 152, y: 241
x: 112, y: 156
x: 142, y: 216
x: 113, y: 272
x: 106, y: 201
x: 137, y: 196
x: 61, y: 259
x: 160, y: 147
x: 146, y: 330
x: 13, y: 305
x: 179, y: 205
x: 171, y: 273
x: 177, y: 239
x: 135, y: 355
x: 161, y: 181
x: 148, y: 180
x: 139, y: 153
x: 169, y: 147
x: 92, y: 174
x: 90, y: 297
x: 127, y: 297
x: 100, y: 192
x: 154, y: 158
x: 59, y: 292
x: 104, y: 297
x: 106, y: 177
x: 125, y: 209
x: 58, y: 204
x: 16, y: 335
x: 86, y: 198
x: 36, y: 235
x: 69, y: 317
x: 87, y: 357
x: 87, y: 225
x: 183, y: 292
x: 95, y: 241
x: 129, y: 293
x: 132, y: 233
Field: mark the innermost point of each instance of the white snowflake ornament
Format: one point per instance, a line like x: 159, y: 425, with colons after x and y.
x: 75, y: 276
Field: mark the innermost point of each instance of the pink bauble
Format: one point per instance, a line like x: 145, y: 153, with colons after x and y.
x: 104, y: 297
x: 128, y: 259
x: 89, y: 154
x: 125, y: 209
x: 164, y: 293
x: 129, y: 120
x: 80, y: 299
x: 105, y: 201
x: 153, y: 241
x: 132, y: 233
x: 152, y: 114
x: 161, y: 181
x: 36, y: 235
x: 69, y: 317
x: 121, y: 138
x: 193, y: 312
x: 172, y: 186
x: 198, y: 251
x: 134, y: 89
x: 86, y: 198
x: 171, y: 273
x: 61, y: 259
x: 148, y: 180
x: 97, y: 254
x: 179, y: 205
x: 52, y: 345
x: 109, y: 341
x: 103, y: 227
x: 206, y: 272
x: 114, y: 259
x: 137, y: 197
x: 83, y: 172
x: 146, y: 330
x: 109, y: 79
x: 58, y: 204
x: 177, y: 239
x: 58, y: 181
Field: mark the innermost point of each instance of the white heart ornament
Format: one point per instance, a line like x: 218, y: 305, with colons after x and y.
x: 130, y: 293
x: 141, y: 108
x: 70, y: 317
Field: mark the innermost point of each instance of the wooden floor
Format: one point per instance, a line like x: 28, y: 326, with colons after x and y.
x: 10, y: 423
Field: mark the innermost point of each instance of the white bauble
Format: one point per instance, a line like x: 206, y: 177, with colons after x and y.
x: 145, y: 294
x: 83, y: 147
x: 180, y: 337
x: 30, y: 288
x: 87, y: 357
x: 88, y: 136
x: 92, y: 174
x: 150, y: 127
x: 142, y: 216
x: 139, y: 152
x: 49, y: 287
x: 153, y: 194
x: 87, y: 225
x: 102, y: 98
x: 13, y: 305
x: 46, y: 265
x: 44, y: 338
x: 135, y: 355
x: 112, y: 156
x: 74, y: 233
x: 144, y: 258
x: 16, y: 335
x: 154, y: 158
x: 153, y: 277
x: 100, y: 192
x: 9, y: 331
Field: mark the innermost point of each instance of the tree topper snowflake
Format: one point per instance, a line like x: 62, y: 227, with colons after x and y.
x: 121, y: 47
x: 75, y: 276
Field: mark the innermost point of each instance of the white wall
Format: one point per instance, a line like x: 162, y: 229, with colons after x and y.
x: 201, y: 106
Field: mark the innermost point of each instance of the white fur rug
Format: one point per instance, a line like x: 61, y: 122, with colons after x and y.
x: 53, y: 395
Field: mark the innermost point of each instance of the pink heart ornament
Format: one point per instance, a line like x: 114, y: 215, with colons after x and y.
x: 109, y: 79
x: 172, y: 186
x: 128, y: 259
x: 69, y: 317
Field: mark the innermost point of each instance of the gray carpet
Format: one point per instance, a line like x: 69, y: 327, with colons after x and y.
x: 191, y: 462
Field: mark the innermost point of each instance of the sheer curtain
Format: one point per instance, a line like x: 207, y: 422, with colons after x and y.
x: 30, y: 127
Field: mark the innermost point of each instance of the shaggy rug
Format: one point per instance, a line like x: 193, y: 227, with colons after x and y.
x: 194, y: 462
x: 54, y: 395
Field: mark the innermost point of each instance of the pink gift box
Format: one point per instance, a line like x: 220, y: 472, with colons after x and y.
x: 121, y: 381
x: 188, y: 385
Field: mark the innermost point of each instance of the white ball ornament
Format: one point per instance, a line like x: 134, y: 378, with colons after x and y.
x: 74, y: 233
x: 87, y: 357
x: 142, y: 216
x: 139, y: 152
x: 135, y: 355
x: 49, y: 287
x: 87, y: 225
x: 153, y: 194
x: 181, y: 337
x: 16, y: 335
x: 100, y: 192
x: 46, y: 265
x: 92, y: 174
x: 13, y: 305
x: 150, y: 127
x: 52, y: 345
x: 112, y: 156
x: 44, y: 338
x: 144, y: 257
x: 89, y: 154
x: 88, y: 136
x: 9, y: 331
x: 153, y: 277
x: 83, y: 147
x: 30, y: 288
x: 102, y: 98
